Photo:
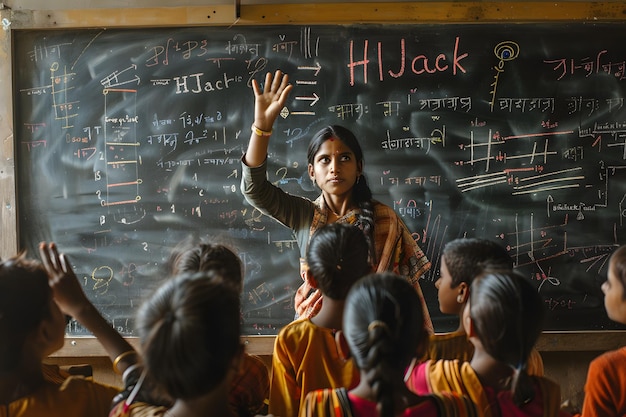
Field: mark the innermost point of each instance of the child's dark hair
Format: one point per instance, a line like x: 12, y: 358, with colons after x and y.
x: 618, y: 259
x: 24, y: 302
x: 383, y: 324
x: 507, y: 315
x: 361, y: 193
x: 205, y: 256
x: 189, y: 331
x: 337, y: 256
x: 466, y: 258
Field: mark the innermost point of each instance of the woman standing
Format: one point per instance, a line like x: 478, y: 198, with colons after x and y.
x: 335, y: 165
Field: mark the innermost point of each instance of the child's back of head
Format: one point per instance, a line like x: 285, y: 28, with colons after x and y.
x: 189, y: 331
x: 467, y: 258
x: 383, y: 325
x: 25, y: 301
x: 507, y: 315
x: 337, y: 256
x: 205, y: 256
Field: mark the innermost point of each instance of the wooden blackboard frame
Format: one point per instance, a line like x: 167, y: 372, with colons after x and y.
x: 274, y: 14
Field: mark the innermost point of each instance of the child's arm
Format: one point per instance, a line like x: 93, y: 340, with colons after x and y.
x: 71, y: 299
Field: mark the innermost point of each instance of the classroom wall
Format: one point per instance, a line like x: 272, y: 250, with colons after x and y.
x: 566, y: 356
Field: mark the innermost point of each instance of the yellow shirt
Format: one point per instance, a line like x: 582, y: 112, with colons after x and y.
x: 305, y: 359
x: 455, y: 345
x: 75, y: 397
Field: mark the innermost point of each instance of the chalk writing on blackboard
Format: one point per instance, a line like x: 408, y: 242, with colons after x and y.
x: 129, y: 141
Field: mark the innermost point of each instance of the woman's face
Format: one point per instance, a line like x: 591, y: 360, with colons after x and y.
x: 613, y: 290
x: 335, y: 168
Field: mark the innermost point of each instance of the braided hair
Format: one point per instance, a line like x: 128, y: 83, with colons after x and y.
x: 383, y: 325
x: 507, y: 314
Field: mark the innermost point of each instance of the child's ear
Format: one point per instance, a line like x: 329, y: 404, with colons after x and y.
x: 342, y: 345
x: 463, y: 293
x: 310, y: 279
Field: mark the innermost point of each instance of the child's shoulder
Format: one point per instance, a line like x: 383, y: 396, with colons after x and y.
x: 611, y: 362
x: 80, y: 385
x: 302, y: 331
x: 296, y: 328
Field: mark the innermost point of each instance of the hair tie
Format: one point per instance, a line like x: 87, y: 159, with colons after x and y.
x: 376, y: 324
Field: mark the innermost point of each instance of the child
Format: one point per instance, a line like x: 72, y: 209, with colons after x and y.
x: 503, y: 319
x: 461, y: 261
x: 250, y: 387
x: 33, y: 298
x: 305, y: 354
x: 382, y: 327
x: 605, y: 389
x: 189, y: 332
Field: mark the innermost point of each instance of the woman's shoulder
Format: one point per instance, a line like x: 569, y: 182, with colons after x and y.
x: 380, y: 207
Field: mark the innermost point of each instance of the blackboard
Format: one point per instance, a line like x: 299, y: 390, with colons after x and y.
x: 129, y: 141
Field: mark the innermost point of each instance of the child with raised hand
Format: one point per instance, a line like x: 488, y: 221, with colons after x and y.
x: 305, y: 353
x: 605, y: 389
x: 382, y: 327
x: 189, y: 332
x: 33, y: 298
x: 250, y: 387
x: 503, y: 319
x: 462, y: 260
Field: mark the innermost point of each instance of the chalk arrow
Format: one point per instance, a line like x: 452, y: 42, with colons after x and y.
x: 316, y: 68
x: 313, y: 99
x: 549, y: 200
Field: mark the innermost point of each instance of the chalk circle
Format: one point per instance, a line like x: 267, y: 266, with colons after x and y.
x: 506, y: 51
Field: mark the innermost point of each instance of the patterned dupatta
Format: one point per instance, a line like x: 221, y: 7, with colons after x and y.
x: 396, y: 250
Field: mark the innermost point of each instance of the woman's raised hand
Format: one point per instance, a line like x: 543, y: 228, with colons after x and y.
x: 269, y: 102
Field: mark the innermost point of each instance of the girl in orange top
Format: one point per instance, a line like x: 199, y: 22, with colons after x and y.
x: 605, y: 389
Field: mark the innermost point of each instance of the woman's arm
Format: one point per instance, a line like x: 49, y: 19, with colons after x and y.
x: 70, y: 297
x: 267, y: 106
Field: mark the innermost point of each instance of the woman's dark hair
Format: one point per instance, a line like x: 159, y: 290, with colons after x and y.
x: 24, y: 302
x: 337, y: 256
x: 507, y: 315
x: 618, y: 259
x: 189, y: 331
x: 361, y: 193
x: 205, y: 256
x: 466, y: 258
x: 384, y: 325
